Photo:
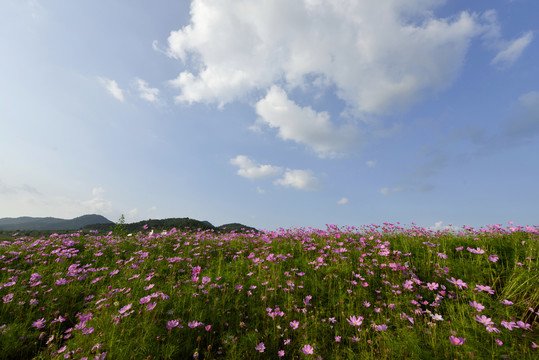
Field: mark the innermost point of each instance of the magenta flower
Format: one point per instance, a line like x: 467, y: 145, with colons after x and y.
x: 493, y: 258
x: 458, y: 283
x: 8, y: 298
x: 355, y: 320
x: 484, y: 288
x: 477, y: 306
x: 260, y: 347
x: 457, y: 340
x: 151, y: 306
x: 125, y: 308
x: 294, y: 324
x: 506, y: 302
x: 382, y: 327
x: 476, y: 251
x: 307, y: 350
x: 523, y: 325
x: 337, y: 338
x: 145, y: 299
x: 484, y: 320
x: 280, y: 353
x: 39, y: 324
x: 509, y: 325
x: 172, y: 323
x: 432, y: 286
x: 499, y: 342
x: 194, y: 324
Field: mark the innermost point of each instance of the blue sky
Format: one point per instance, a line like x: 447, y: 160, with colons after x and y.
x: 272, y: 113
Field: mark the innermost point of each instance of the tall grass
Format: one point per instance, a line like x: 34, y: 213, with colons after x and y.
x: 375, y: 292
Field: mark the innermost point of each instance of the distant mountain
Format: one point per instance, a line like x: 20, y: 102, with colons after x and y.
x: 167, y: 224
x: 50, y: 223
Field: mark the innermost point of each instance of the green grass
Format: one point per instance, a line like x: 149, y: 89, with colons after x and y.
x: 219, y: 296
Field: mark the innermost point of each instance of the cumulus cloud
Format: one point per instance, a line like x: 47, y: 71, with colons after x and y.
x: 299, y: 179
x: 145, y: 92
x: 113, y: 88
x: 512, y: 51
x: 343, y: 201
x: 251, y: 170
x: 303, y: 124
x: 378, y: 55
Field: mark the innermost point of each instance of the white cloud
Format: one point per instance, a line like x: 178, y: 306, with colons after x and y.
x: 145, y: 92
x: 97, y: 204
x: 132, y: 215
x: 343, y: 201
x: 512, y: 51
x: 371, y: 163
x: 113, y: 88
x: 299, y: 179
x: 378, y: 55
x: 251, y: 170
x: 260, y: 190
x: 438, y: 226
x: 304, y: 125
x: 387, y: 191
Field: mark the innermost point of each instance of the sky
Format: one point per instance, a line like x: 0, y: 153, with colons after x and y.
x: 271, y: 113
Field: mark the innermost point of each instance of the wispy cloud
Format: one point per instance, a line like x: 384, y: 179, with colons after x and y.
x: 343, y: 201
x: 371, y: 163
x: 393, y: 190
x: 512, y: 51
x: 98, y: 204
x: 113, y: 88
x: 145, y: 92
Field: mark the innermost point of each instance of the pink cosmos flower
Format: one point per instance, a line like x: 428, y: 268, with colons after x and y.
x: 506, y: 302
x: 477, y: 306
x: 307, y: 350
x: 484, y: 320
x: 484, y: 288
x: 432, y: 286
x: 382, y: 327
x: 151, y: 306
x: 509, y: 325
x: 125, y: 308
x: 458, y: 283
x: 493, y: 258
x: 499, y: 342
x: 172, y: 323
x: 280, y: 353
x: 260, y: 347
x: 39, y: 324
x: 294, y: 324
x: 492, y: 328
x: 194, y: 324
x: 457, y: 340
x: 523, y: 325
x: 355, y: 321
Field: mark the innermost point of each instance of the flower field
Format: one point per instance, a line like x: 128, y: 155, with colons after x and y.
x: 375, y: 292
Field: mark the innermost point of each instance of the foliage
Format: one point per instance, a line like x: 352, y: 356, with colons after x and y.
x: 341, y: 293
